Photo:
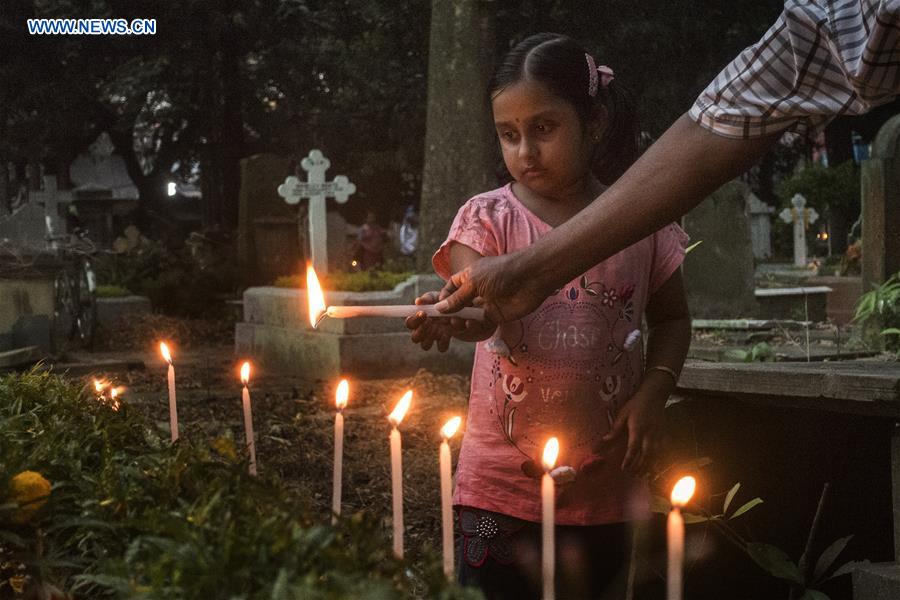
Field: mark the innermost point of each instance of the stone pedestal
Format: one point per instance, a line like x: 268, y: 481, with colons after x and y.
x: 877, y: 582
x: 277, y: 334
x: 881, y: 207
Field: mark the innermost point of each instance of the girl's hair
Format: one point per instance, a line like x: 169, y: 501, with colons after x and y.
x: 559, y: 63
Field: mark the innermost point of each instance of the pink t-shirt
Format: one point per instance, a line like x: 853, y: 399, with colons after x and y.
x: 567, y: 373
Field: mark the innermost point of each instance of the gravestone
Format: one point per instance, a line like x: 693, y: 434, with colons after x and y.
x: 267, y: 227
x: 760, y: 227
x: 276, y: 332
x: 316, y: 189
x: 881, y: 207
x: 27, y: 227
x: 719, y: 273
x: 801, y: 218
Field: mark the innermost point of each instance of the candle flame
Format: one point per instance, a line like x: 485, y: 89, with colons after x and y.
x: 314, y: 296
x: 340, y: 397
x: 551, y: 451
x: 245, y: 373
x: 683, y: 490
x: 400, y: 410
x: 450, y: 427
x: 164, y: 350
x: 114, y: 397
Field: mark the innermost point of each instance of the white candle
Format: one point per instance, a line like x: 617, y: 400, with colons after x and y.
x: 317, y: 310
x: 397, y: 471
x: 447, y: 432
x: 548, y: 519
x: 681, y: 494
x: 348, y: 312
x: 248, y: 417
x: 340, y: 402
x: 173, y: 410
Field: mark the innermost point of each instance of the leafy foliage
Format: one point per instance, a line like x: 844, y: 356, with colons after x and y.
x: 878, y: 312
x: 771, y: 559
x: 178, y: 282
x: 825, y: 188
x: 132, y: 516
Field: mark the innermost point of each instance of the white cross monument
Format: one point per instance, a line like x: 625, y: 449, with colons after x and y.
x: 316, y: 189
x: 801, y: 218
x: 51, y: 198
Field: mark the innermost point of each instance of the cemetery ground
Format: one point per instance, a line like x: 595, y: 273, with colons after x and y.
x: 293, y: 419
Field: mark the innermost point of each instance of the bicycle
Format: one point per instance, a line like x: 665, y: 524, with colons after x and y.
x: 74, y: 317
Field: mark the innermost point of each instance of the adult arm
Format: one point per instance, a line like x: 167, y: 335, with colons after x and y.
x: 684, y: 166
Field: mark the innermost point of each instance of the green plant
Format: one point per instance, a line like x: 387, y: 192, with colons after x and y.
x: 760, y: 352
x: 184, y: 282
x: 825, y: 188
x: 132, y: 516
x: 111, y: 291
x: 774, y: 561
x: 878, y: 313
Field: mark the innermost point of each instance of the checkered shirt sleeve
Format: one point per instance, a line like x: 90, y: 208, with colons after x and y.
x: 820, y: 59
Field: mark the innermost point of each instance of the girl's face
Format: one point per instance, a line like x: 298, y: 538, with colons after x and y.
x: 545, y: 144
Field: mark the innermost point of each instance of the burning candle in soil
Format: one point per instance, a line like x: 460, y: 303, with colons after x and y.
x: 340, y: 402
x: 114, y: 398
x: 318, y: 310
x: 548, y: 553
x: 173, y: 411
x: 397, y: 470
x: 248, y: 416
x: 681, y: 494
x: 447, y: 432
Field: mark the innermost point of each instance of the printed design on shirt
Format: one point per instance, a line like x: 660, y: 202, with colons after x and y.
x: 568, y: 368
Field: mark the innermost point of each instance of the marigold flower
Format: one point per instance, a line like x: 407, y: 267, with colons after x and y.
x: 30, y: 491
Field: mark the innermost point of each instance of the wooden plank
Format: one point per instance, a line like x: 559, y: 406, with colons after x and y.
x: 854, y: 381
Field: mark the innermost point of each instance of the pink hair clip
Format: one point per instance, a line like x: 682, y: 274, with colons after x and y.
x: 601, y: 75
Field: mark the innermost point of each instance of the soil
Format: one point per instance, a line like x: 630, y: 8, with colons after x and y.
x: 294, y: 420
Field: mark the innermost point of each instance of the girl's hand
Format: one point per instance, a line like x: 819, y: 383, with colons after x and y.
x: 426, y: 332
x: 641, y: 420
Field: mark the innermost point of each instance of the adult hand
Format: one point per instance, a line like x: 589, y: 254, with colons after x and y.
x: 498, y: 284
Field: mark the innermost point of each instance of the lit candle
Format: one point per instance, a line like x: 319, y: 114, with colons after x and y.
x: 681, y: 494
x: 349, y: 312
x: 318, y: 310
x: 447, y: 432
x: 397, y: 470
x: 248, y: 416
x: 548, y: 555
x: 340, y: 402
x: 99, y: 386
x: 173, y: 411
x: 114, y: 398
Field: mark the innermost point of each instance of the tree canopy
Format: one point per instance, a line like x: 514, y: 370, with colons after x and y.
x: 223, y: 79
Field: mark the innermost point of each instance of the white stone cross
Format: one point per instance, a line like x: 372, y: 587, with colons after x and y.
x: 801, y: 217
x: 317, y: 190
x: 50, y: 197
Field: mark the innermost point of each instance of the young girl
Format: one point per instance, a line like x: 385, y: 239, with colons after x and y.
x: 574, y: 367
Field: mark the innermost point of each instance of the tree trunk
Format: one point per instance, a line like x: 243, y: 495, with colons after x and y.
x: 232, y: 138
x: 459, y: 139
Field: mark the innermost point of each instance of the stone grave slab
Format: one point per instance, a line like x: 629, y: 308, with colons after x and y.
x: 276, y: 332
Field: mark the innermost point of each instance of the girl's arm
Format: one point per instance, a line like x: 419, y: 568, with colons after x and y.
x: 427, y: 332
x: 668, y: 340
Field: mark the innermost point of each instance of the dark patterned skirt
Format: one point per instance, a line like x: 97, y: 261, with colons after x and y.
x: 501, y: 556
